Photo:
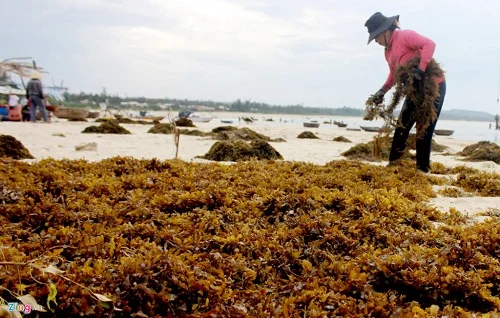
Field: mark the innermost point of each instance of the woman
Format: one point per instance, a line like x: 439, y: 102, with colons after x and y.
x: 401, y: 47
x: 14, y: 108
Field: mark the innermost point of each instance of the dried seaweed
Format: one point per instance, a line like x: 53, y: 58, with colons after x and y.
x: 239, y: 150
x: 161, y: 129
x: 184, y: 122
x: 194, y: 132
x: 12, y: 148
x: 482, y: 151
x: 77, y: 120
x: 252, y: 239
x: 341, y: 139
x: 307, y: 135
x: 453, y: 192
x: 481, y: 183
x: 122, y: 120
x: 223, y: 128
x: 239, y: 134
x: 107, y: 127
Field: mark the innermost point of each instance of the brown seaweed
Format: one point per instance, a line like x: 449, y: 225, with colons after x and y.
x: 239, y: 150
x: 307, y: 135
x: 10, y: 147
x: 106, y: 127
x: 342, y: 139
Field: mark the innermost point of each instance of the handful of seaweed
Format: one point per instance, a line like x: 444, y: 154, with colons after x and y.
x: 107, y: 127
x: 423, y: 94
x: 307, y: 135
x: 482, y: 151
x: 239, y: 150
x: 12, y: 148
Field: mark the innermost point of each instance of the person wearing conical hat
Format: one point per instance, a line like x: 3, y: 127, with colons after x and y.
x: 34, y: 93
x: 401, y: 46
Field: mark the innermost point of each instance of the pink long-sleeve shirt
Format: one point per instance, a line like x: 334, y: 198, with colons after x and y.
x: 403, y: 46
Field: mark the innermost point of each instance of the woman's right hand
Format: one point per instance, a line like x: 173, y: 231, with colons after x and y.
x: 378, y: 98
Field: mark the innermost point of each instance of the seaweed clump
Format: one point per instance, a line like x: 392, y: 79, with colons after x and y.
x: 239, y: 134
x: 341, y: 139
x: 184, y: 122
x: 125, y: 120
x: 78, y: 120
x: 217, y: 130
x: 194, y: 132
x: 12, y: 148
x: 307, y: 135
x: 239, y: 150
x: 159, y: 128
x: 107, y: 127
x: 482, y: 151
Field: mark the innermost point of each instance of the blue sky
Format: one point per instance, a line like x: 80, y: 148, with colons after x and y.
x: 279, y: 52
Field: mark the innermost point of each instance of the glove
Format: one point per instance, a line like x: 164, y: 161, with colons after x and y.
x: 416, y: 73
x: 378, y: 98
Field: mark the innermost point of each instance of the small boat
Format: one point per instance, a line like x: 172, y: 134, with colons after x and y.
x: 340, y: 124
x: 311, y: 125
x: 374, y: 129
x: 71, y: 113
x: 353, y: 129
x: 226, y: 121
x: 443, y: 132
x: 194, y: 117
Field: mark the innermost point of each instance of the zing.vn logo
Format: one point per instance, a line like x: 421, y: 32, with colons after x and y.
x: 22, y: 308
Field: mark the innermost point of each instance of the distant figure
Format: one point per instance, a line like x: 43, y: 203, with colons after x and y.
x: 14, y: 108
x: 497, y: 120
x: 34, y: 93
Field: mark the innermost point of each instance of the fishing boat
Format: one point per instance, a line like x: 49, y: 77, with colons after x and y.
x: 374, y: 129
x: 340, y: 124
x: 311, y: 124
x: 71, y: 113
x: 444, y: 132
x: 194, y: 117
x: 93, y: 114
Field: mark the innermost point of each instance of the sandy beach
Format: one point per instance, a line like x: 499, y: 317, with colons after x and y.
x: 47, y: 141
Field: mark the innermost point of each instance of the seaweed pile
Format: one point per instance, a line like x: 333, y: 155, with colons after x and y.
x: 239, y: 150
x: 10, y: 147
x: 184, y: 122
x: 380, y: 149
x: 229, y: 133
x: 482, y: 151
x: 307, y: 135
x: 122, y: 120
x: 107, y: 127
x: 341, y: 139
x: 262, y: 239
x: 161, y: 129
x: 194, y: 132
x: 77, y: 120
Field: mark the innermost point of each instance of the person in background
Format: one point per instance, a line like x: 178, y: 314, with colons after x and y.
x: 15, y: 108
x: 400, y: 46
x: 36, y: 98
x: 497, y: 120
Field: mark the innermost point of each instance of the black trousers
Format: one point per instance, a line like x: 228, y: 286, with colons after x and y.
x: 407, y: 120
